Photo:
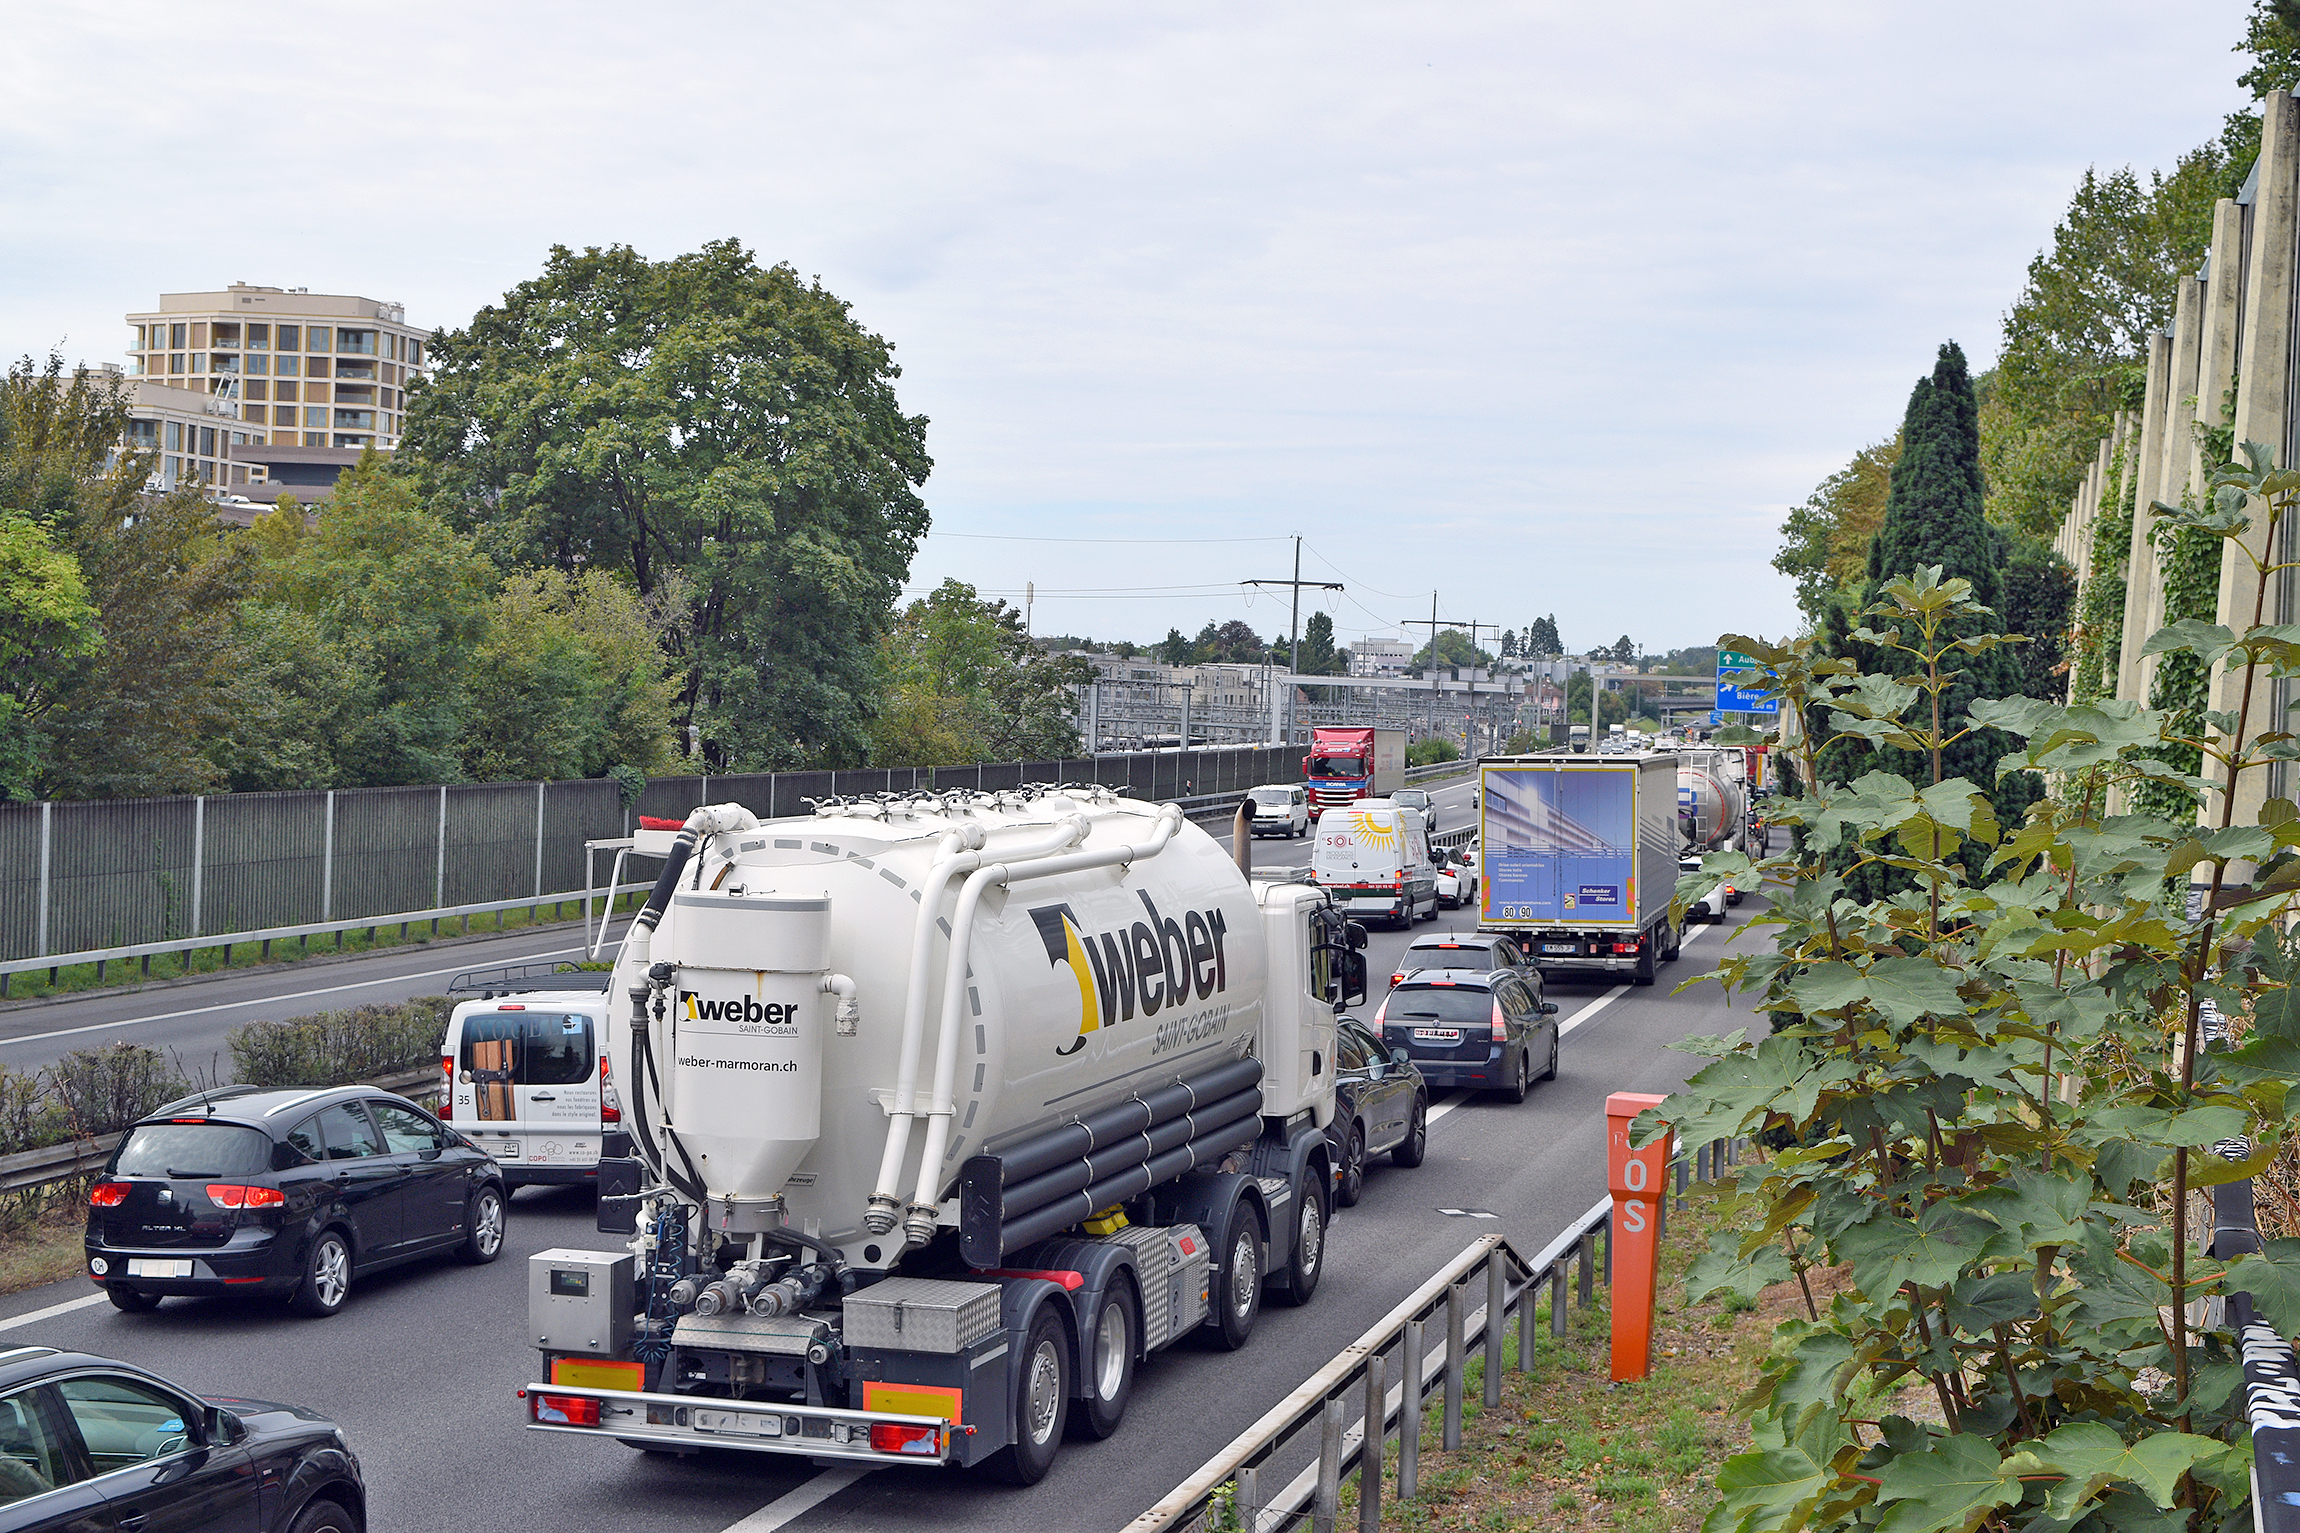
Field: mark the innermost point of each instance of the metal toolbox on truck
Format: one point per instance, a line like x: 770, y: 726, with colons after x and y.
x: 921, y: 1314
x: 580, y: 1301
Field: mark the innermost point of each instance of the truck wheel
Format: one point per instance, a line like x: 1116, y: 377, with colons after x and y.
x: 1308, y: 1263
x: 1237, y: 1287
x: 1041, y: 1405
x: 1676, y: 944
x: 1351, y: 1184
x: 1110, y: 1345
x: 1416, y: 1144
x: 1645, y: 964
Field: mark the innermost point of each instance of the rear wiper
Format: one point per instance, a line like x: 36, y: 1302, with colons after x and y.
x: 187, y: 1175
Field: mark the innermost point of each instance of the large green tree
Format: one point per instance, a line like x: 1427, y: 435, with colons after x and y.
x: 1934, y: 520
x: 707, y: 419
x: 1825, y: 541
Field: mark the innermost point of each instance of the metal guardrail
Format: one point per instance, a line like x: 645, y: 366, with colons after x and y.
x: 271, y: 934
x: 49, y: 1164
x: 1354, y: 1406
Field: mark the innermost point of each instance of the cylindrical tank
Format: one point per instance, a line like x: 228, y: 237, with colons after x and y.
x: 1709, y: 807
x: 1082, y: 989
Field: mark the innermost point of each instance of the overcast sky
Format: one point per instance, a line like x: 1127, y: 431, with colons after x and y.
x: 1548, y: 307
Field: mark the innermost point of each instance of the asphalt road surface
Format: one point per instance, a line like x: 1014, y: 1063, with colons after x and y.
x: 421, y: 1367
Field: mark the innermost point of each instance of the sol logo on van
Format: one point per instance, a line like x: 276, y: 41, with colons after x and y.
x: 1158, y: 962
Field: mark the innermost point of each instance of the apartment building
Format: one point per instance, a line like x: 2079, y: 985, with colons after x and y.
x: 323, y: 374
x: 1380, y: 657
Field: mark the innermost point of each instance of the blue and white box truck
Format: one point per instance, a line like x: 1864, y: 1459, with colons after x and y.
x: 1581, y: 859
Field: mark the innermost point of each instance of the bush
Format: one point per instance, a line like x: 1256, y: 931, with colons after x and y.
x: 338, y: 1048
x: 102, y: 1091
x: 1431, y: 751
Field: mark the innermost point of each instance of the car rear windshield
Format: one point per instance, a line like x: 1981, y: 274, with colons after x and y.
x: 193, y: 1149
x: 1439, y: 1004
x: 1280, y: 797
x: 1450, y: 957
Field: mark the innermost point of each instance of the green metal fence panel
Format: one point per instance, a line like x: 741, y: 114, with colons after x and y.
x: 264, y: 859
x: 386, y: 851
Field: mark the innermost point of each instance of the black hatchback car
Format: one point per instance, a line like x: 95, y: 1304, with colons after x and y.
x: 1488, y: 1030
x: 88, y: 1444
x: 286, y: 1192
x: 1380, y: 1103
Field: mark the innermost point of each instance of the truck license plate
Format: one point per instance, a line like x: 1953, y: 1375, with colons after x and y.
x: 1561, y: 947
x: 743, y: 1423
x: 1437, y: 1035
x: 153, y: 1266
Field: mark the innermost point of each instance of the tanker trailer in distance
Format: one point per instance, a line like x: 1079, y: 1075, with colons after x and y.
x: 1345, y: 765
x: 945, y: 1111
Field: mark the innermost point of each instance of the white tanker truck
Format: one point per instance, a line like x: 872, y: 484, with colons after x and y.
x: 1712, y: 803
x: 944, y: 1112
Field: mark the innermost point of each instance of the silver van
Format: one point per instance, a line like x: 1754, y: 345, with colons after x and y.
x: 525, y: 1074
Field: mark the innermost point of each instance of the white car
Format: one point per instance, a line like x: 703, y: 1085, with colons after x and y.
x: 1457, y: 879
x: 1711, y: 906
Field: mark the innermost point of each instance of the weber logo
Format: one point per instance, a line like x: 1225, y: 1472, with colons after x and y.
x: 1157, y: 962
x: 748, y: 1012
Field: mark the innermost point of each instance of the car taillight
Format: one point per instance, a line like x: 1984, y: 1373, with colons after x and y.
x: 610, y: 1105
x: 1398, y: 978
x: 1382, y: 1013
x: 108, y: 1194
x: 565, y: 1410
x: 1500, y: 1025
x: 893, y: 1437
x: 446, y: 1087
x: 232, y: 1195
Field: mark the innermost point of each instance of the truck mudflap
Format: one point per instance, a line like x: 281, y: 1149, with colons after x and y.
x: 756, y: 1426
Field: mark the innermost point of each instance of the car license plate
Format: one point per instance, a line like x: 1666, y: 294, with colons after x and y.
x: 1437, y: 1035
x: 153, y: 1266
x: 503, y: 1149
x: 1561, y: 947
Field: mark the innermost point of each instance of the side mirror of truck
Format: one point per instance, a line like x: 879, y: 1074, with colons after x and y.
x: 1357, y: 936
x: 1354, y: 977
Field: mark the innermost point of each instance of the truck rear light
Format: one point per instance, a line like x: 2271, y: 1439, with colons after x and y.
x: 565, y: 1410
x: 1625, y: 947
x: 1500, y: 1025
x: 447, y: 1087
x: 233, y: 1195
x: 893, y: 1437
x: 610, y: 1105
x: 108, y: 1194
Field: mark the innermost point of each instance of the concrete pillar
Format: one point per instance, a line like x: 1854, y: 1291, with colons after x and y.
x: 2262, y: 408
x: 2143, y: 582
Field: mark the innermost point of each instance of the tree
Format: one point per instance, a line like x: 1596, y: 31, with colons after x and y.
x: 1934, y: 521
x: 1207, y: 647
x: 1541, y: 638
x: 46, y: 621
x: 1454, y: 651
x: 1825, y: 541
x: 1509, y: 644
x: 967, y: 684
x: 1624, y: 651
x: 1237, y: 644
x: 705, y: 417
x: 1173, y: 649
x: 570, y: 680
x: 1319, y: 657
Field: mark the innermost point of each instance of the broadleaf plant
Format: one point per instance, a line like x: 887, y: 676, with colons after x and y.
x: 1991, y: 1097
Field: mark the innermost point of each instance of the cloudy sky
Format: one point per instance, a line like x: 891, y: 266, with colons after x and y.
x: 1548, y: 307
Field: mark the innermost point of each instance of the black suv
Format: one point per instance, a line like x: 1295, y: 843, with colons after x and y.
x: 286, y: 1192
x: 1466, y: 1028
x: 89, y: 1443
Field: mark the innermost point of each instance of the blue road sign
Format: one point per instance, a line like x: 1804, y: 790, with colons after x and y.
x: 1742, y: 699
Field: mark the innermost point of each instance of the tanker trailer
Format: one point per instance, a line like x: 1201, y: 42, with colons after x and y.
x: 1712, y: 807
x: 944, y: 1112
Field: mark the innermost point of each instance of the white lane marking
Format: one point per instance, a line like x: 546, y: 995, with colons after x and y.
x: 798, y: 1500
x: 51, y: 1312
x: 299, y: 995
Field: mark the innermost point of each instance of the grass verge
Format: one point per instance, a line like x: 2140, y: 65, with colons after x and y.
x: 72, y: 979
x: 46, y: 1249
x: 1568, y: 1449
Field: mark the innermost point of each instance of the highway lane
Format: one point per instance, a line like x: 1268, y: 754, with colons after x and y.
x: 421, y: 1367
x: 193, y: 1019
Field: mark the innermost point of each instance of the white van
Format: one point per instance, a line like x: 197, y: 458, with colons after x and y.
x: 525, y: 1074
x: 1375, y: 857
x: 1280, y: 809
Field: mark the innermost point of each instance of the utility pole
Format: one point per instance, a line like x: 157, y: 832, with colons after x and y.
x: 1432, y: 623
x: 1294, y: 625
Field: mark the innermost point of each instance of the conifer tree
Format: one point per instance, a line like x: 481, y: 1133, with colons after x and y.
x: 1933, y: 516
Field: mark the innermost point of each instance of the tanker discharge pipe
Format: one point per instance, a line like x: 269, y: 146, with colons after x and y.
x: 921, y: 1217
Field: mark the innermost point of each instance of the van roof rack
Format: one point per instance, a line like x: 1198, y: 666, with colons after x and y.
x: 522, y: 978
